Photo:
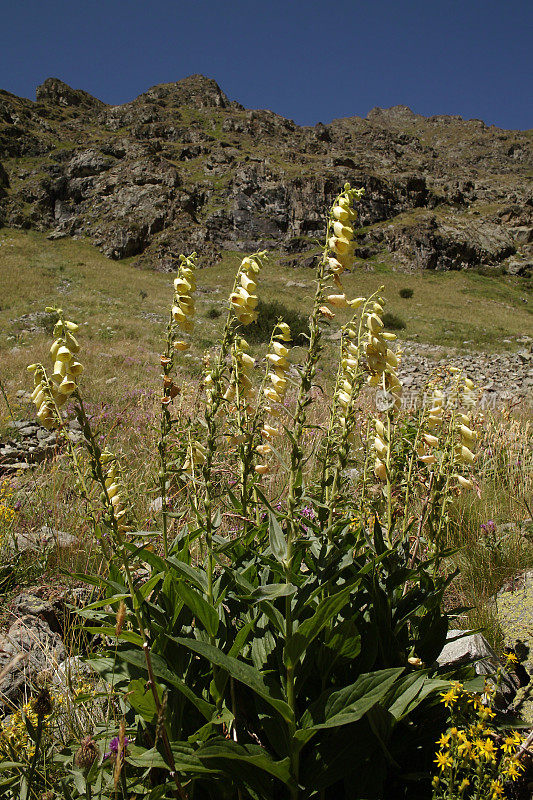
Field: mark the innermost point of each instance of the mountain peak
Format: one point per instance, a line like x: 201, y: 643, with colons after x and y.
x: 195, y: 90
x: 399, y: 112
x: 61, y: 94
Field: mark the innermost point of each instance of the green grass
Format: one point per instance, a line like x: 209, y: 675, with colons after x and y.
x: 108, y: 299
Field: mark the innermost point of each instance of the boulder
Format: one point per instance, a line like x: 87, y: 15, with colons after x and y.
x: 463, y: 648
x: 41, y: 649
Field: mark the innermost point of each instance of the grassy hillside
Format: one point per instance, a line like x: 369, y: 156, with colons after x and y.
x: 124, y: 310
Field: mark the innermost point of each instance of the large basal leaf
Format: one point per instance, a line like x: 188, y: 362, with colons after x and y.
x: 244, y: 673
x: 236, y: 757
x: 348, y: 705
x: 185, y: 759
x: 200, y: 608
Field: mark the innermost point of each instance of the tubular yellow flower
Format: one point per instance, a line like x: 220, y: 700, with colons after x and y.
x: 464, y: 454
x: 380, y: 470
x: 269, y: 432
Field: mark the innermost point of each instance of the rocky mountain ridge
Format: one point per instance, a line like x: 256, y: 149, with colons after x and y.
x: 182, y: 167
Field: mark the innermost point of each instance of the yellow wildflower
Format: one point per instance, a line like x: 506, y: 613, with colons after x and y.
x: 443, y: 760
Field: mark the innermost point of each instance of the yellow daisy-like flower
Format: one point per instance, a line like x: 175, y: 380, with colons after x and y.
x: 450, y: 697
x: 443, y: 760
x: 496, y: 788
x: 443, y: 739
x: 512, y: 771
x: 465, y: 783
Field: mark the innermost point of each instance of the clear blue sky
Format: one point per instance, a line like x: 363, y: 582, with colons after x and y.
x: 310, y: 60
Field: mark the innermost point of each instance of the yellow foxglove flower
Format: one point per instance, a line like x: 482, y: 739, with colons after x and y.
x: 432, y: 441
x: 247, y: 283
x: 263, y: 449
x: 380, y: 447
x: 63, y: 354
x: 278, y: 360
x: 75, y: 368
x: 279, y: 383
x: 344, y: 399
x: 337, y: 300
x: 342, y: 231
x: 335, y: 266
x: 374, y: 323
x: 283, y: 332
x: 464, y: 454
x: 467, y: 434
x: 356, y: 302
x: 273, y: 396
x: 183, y: 286
x: 380, y: 429
x: 269, y: 432
x: 428, y: 459
x: 340, y: 213
x: 247, y: 361
x: 262, y: 469
x: 280, y: 349
x: 181, y: 346
x: 380, y: 470
x: 67, y: 386
x: 465, y: 483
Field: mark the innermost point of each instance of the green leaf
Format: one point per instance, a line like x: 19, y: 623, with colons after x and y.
x: 124, y: 636
x: 136, y: 657
x: 310, y: 628
x: 199, y: 607
x: 231, y: 751
x: 278, y: 543
x: 270, y: 591
x: 241, y: 638
x: 351, y: 703
x: 141, y: 699
x: 195, y: 576
x: 244, y: 673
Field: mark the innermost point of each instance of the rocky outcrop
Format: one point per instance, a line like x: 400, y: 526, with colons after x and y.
x: 61, y: 94
x: 182, y: 167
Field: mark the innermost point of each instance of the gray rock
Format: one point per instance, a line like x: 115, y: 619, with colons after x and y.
x: 44, y: 538
x: 43, y: 650
x: 473, y: 648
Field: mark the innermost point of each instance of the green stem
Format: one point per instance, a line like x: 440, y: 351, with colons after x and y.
x: 33, y: 766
